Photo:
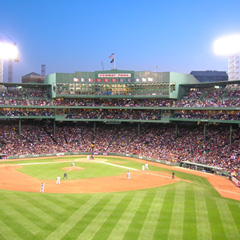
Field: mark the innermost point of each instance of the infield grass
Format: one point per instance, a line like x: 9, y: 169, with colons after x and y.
x: 183, y: 210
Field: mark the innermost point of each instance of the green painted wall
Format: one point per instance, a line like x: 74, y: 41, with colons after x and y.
x: 177, y: 79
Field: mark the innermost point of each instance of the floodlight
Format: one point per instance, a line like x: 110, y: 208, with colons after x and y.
x: 227, y: 45
x: 8, y: 51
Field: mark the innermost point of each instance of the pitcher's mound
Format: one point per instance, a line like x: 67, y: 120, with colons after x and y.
x: 73, y: 168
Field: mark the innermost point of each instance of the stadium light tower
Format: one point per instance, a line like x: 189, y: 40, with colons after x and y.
x: 7, y: 51
x: 230, y: 46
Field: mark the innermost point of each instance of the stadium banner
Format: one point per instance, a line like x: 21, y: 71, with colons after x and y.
x: 236, y: 181
x: 114, y: 75
x: 104, y: 153
x: 96, y: 153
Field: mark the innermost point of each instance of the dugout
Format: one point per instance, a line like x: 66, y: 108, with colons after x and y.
x: 203, y: 168
x: 3, y: 156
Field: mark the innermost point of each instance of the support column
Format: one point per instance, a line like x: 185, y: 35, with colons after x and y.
x: 204, y: 131
x: 54, y: 127
x: 19, y: 127
x: 94, y: 127
x: 139, y: 129
x: 230, y: 140
x: 176, y: 130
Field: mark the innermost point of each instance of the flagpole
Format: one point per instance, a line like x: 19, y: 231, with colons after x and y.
x: 114, y: 62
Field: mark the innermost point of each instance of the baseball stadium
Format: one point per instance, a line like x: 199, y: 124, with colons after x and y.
x: 120, y: 154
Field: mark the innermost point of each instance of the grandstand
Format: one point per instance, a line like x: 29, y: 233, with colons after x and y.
x: 165, y: 117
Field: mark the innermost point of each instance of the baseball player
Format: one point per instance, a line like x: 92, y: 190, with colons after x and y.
x: 88, y: 157
x: 146, y: 166
x: 65, y: 176
x: 58, y: 180
x: 173, y: 175
x: 143, y: 167
x: 128, y: 175
x: 42, y: 188
x: 73, y: 164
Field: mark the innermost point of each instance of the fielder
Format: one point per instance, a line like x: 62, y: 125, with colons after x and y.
x: 73, y: 165
x: 143, y: 167
x: 42, y: 188
x: 58, y: 180
x: 146, y: 166
x: 88, y: 157
x: 128, y: 175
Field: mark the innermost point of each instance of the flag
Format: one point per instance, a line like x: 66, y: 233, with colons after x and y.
x: 75, y: 79
x: 111, y: 56
x: 91, y: 80
x: 82, y: 80
x: 150, y: 79
x: 114, y: 80
x: 144, y: 79
x: 112, y: 60
x: 121, y: 80
x: 106, y: 80
x: 129, y: 80
x: 98, y: 80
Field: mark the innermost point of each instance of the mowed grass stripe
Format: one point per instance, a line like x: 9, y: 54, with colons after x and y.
x: 27, y: 205
x: 100, y: 218
x: 176, y: 225
x: 165, y: 216
x: 216, y: 226
x: 136, y: 225
x: 19, y: 229
x: 120, y: 229
x: 87, y: 218
x: 7, y: 232
x: 234, y: 208
x: 73, y: 219
x: 21, y: 217
x: 190, y: 222
x: 110, y: 223
x: 227, y: 219
x: 203, y: 225
x: 46, y: 203
x: 150, y: 223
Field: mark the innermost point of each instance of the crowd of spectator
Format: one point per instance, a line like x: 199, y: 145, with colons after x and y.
x: 20, y: 112
x: 124, y: 114
x: 210, y: 115
x: 154, y: 141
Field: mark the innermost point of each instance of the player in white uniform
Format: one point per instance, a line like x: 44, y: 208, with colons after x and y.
x: 143, y: 167
x: 58, y: 180
x: 88, y: 157
x: 146, y: 166
x: 42, y: 188
x: 73, y: 164
x: 128, y: 175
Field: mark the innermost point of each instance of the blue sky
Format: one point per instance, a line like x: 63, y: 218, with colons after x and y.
x: 77, y: 35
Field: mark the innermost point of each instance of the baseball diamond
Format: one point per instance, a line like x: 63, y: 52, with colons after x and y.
x: 120, y: 154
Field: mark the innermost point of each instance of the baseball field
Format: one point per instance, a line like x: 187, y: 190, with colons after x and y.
x: 98, y: 201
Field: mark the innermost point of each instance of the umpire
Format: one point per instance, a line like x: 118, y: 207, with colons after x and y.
x: 65, y: 176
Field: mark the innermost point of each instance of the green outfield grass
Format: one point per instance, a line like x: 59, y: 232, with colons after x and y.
x: 183, y: 210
